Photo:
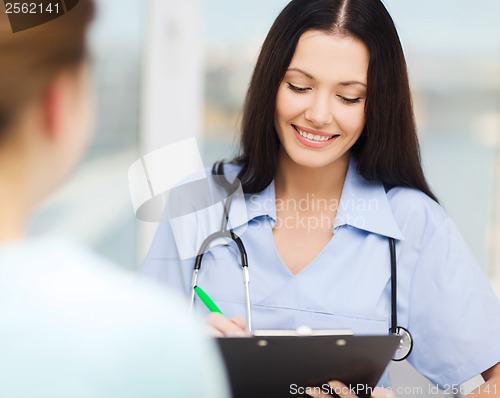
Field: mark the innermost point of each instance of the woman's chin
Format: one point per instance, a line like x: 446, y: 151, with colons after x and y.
x: 315, y: 162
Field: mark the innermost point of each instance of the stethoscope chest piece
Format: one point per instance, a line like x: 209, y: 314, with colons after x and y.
x: 405, y: 344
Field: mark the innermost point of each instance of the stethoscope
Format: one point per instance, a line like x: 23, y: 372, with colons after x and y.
x: 224, y: 233
x: 406, y: 340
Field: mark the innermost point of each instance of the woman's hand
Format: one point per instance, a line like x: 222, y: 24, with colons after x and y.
x: 220, y: 326
x: 343, y: 391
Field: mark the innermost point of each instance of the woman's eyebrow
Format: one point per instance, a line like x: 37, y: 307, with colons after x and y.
x: 346, y: 83
x: 301, y: 71
x: 351, y: 82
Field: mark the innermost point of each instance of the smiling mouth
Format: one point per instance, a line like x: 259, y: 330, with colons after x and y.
x: 314, y: 137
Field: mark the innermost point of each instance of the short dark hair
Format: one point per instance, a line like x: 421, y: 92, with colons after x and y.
x: 388, y: 149
x: 31, y: 58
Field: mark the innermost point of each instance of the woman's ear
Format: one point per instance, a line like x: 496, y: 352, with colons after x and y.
x: 57, y: 103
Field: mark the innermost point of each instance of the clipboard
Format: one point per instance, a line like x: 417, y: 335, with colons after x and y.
x: 283, y: 366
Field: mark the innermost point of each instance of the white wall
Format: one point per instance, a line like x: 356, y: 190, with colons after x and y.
x: 172, y: 81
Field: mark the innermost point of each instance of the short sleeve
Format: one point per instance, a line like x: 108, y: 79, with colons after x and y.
x: 454, y: 315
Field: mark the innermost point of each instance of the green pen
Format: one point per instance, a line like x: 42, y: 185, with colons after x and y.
x: 205, y: 298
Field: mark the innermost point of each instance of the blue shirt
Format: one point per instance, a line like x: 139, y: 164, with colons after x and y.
x: 444, y: 298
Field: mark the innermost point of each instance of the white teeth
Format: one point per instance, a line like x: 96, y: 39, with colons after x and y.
x: 312, y: 137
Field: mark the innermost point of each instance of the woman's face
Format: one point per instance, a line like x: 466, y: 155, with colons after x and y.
x: 321, y: 101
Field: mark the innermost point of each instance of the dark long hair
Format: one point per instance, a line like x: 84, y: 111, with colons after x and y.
x: 388, y: 148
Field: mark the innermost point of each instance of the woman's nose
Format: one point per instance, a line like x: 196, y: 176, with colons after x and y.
x: 320, y: 112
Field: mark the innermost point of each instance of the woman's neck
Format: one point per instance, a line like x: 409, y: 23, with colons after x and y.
x: 296, y: 181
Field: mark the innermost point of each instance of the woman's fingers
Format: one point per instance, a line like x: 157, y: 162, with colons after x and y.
x: 213, y: 332
x: 379, y: 392
x: 343, y: 391
x: 226, y: 327
x: 311, y: 392
x: 240, y: 322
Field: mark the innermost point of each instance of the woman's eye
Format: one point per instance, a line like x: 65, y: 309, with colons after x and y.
x: 298, y: 89
x: 349, y: 100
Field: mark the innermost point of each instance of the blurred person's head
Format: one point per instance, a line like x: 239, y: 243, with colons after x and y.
x: 46, y: 107
x: 387, y: 148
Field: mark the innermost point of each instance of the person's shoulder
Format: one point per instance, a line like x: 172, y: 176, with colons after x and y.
x: 71, y: 278
x: 121, y: 287
x: 83, y: 307
x: 414, y: 211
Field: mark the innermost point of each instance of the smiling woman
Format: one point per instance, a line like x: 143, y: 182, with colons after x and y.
x: 381, y: 67
x: 318, y: 119
x: 315, y: 108
x: 328, y: 118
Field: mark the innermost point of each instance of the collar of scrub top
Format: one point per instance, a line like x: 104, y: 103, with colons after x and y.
x: 356, y: 191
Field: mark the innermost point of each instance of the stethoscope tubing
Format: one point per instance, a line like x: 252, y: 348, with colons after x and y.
x: 406, y: 339
x: 394, y: 285
x: 244, y: 264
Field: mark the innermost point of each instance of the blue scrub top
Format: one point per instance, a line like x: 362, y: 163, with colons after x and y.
x: 444, y: 298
